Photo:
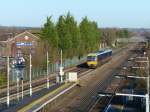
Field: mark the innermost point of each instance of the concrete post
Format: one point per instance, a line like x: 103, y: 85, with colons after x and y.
x: 17, y: 86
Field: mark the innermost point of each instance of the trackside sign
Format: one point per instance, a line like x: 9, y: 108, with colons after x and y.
x: 23, y: 44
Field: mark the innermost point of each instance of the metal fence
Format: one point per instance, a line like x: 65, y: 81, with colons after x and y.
x: 42, y: 72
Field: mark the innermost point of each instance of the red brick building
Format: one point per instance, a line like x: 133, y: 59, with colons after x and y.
x: 22, y: 43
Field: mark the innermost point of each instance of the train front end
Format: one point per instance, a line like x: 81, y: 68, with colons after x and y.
x: 92, y: 60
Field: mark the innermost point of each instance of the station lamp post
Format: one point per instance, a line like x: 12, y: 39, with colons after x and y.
x: 8, y: 78
x: 47, y: 71
x: 30, y: 78
x: 8, y: 70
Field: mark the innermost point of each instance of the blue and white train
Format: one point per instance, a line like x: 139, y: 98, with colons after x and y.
x: 99, y: 58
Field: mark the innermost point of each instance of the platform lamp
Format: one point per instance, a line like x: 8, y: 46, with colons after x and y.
x: 30, y: 77
x: 8, y: 69
x: 47, y: 70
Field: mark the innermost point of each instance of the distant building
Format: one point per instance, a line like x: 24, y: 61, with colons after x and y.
x: 20, y: 44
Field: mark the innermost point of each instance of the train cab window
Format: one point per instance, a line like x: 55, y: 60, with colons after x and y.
x: 91, y: 58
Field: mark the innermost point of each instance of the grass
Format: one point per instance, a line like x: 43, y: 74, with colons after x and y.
x: 2, y: 79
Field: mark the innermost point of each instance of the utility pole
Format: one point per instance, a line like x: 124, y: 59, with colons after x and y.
x: 47, y: 72
x: 30, y: 80
x: 8, y: 69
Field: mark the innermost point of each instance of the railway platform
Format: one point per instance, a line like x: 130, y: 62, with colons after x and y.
x: 40, y: 98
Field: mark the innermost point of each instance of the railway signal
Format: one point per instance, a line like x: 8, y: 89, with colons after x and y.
x: 19, y: 65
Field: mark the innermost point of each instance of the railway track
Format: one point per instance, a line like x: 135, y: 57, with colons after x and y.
x: 105, y: 101
x: 74, y: 69
x: 38, y: 86
x: 40, y: 83
x: 82, y: 103
x: 102, y: 103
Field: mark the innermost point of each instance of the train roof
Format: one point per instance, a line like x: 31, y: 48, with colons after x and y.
x: 100, y: 52
x: 104, y: 50
x: 92, y: 54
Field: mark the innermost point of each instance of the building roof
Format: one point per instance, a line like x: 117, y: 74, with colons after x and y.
x: 10, y: 36
x: 6, y: 36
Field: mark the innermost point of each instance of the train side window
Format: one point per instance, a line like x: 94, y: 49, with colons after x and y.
x: 101, y: 56
x: 106, y: 54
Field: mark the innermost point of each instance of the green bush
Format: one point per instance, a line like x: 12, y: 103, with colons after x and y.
x: 2, y: 79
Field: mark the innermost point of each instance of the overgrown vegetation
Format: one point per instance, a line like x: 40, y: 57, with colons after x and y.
x: 76, y: 39
x: 2, y: 79
x: 110, y: 35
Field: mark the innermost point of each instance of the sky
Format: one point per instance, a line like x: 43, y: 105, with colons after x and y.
x: 107, y: 13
